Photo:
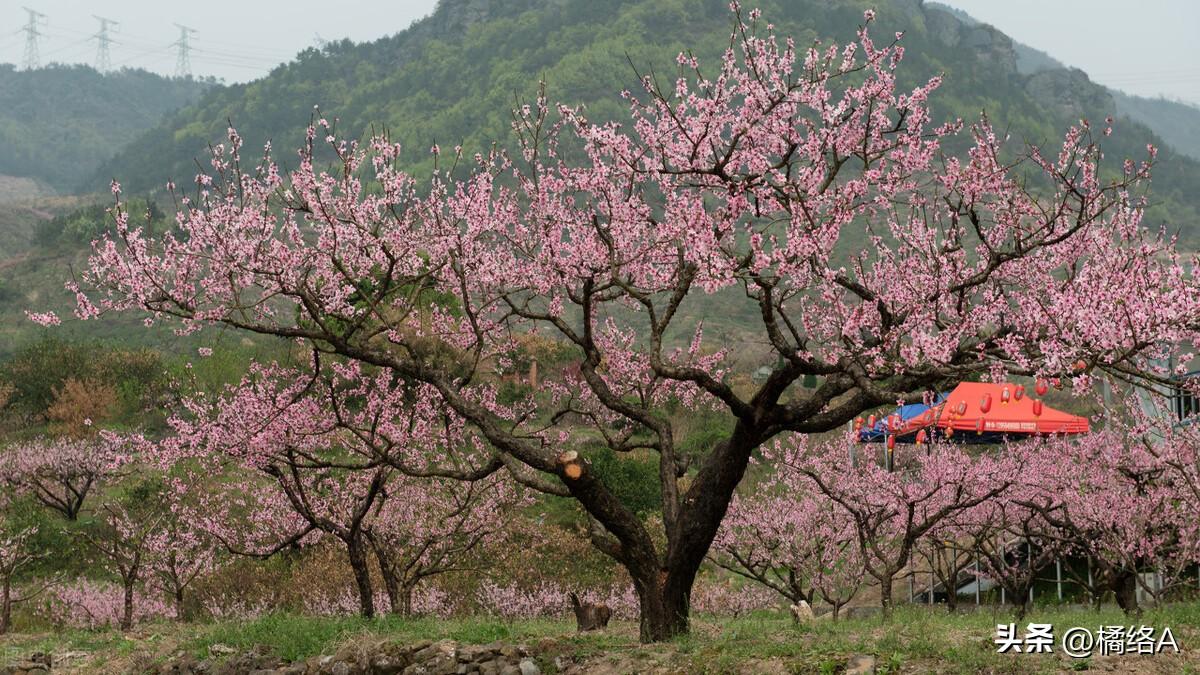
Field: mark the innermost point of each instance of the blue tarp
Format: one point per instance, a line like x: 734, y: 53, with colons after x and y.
x: 878, y: 433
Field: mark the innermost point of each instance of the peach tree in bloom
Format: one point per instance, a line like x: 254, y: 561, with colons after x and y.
x: 303, y: 457
x: 16, y: 555
x: 1119, y: 499
x: 85, y: 603
x: 60, y: 473
x: 180, y: 550
x: 799, y: 183
x: 121, y: 545
x: 788, y: 536
x: 435, y: 526
x: 891, y: 512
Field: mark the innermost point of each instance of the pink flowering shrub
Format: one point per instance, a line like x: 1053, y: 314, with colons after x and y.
x: 724, y: 598
x: 547, y: 599
x: 620, y: 598
x: 224, y: 607
x: 84, y: 603
x: 342, y: 601
x: 550, y: 599
x: 426, y: 601
x: 429, y: 600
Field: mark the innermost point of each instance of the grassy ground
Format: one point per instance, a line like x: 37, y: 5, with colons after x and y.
x: 917, y: 640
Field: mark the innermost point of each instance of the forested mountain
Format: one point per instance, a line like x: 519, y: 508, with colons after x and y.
x: 58, y: 124
x: 1177, y: 123
x: 453, y: 77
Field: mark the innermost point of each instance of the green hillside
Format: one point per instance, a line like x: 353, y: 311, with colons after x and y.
x: 1175, y: 122
x: 1178, y: 123
x: 452, y: 78
x: 58, y: 124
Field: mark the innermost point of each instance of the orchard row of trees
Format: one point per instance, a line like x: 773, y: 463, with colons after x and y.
x: 94, y: 534
x: 1123, y: 499
x: 800, y: 184
x: 88, y: 505
x: 815, y: 526
x: 164, y: 528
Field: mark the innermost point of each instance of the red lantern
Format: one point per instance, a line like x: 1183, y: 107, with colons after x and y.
x: 962, y: 408
x: 1037, y: 407
x: 949, y: 432
x: 858, y: 423
x: 1041, y: 388
x: 1019, y: 392
x: 979, y: 426
x: 1005, y: 395
x: 891, y: 443
x: 894, y: 422
x: 871, y: 421
x: 985, y: 404
x: 921, y: 437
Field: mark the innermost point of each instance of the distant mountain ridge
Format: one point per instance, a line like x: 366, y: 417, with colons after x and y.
x: 453, y: 77
x: 60, y: 123
x: 1176, y: 122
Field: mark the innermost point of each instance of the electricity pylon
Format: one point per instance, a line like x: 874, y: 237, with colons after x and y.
x: 36, y: 20
x: 183, y: 64
x: 103, y: 62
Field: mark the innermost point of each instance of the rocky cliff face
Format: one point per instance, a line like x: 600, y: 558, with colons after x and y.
x: 953, y: 30
x: 1067, y: 92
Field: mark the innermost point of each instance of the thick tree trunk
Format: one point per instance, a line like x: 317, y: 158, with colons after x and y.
x: 6, y: 606
x: 392, y: 587
x: 885, y: 596
x: 362, y: 578
x: 665, y: 594
x: 178, y: 596
x: 1022, y: 608
x: 664, y: 610
x: 406, y: 599
x: 127, y: 611
x: 391, y: 581
x: 663, y: 582
x: 663, y: 587
x: 1124, y: 588
x: 400, y: 596
x: 399, y: 592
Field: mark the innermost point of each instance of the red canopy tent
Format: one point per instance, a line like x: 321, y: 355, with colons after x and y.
x: 993, y: 409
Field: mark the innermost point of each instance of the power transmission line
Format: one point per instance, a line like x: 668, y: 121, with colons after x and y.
x: 36, y: 20
x: 71, y: 47
x: 103, y: 61
x: 183, y: 63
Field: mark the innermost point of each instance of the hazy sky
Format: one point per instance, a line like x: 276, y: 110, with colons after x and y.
x: 1150, y: 47
x: 236, y: 40
x: 1147, y: 47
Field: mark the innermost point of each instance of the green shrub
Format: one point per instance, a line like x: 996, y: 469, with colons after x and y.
x: 633, y: 478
